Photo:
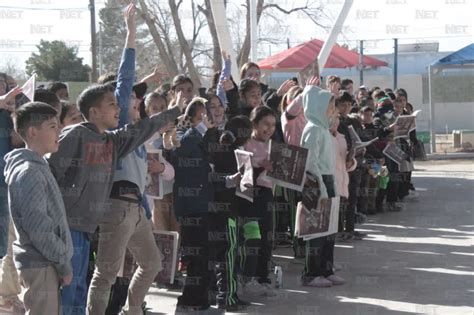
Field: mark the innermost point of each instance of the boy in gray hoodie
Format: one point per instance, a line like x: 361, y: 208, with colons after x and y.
x: 43, y: 249
x: 84, y: 167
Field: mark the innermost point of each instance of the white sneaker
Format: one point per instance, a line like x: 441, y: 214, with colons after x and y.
x: 336, y: 280
x: 320, y: 282
x: 336, y: 267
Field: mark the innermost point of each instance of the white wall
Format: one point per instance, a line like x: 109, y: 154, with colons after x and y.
x: 450, y: 116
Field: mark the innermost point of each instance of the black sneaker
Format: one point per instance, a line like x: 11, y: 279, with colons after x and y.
x: 189, y: 308
x: 243, y: 302
x: 359, y: 235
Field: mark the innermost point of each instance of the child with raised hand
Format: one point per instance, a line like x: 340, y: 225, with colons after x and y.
x: 319, y: 110
x: 184, y: 84
x: 293, y: 120
x: 258, y: 217
x: 84, y: 167
x: 192, y: 192
x: 43, y: 250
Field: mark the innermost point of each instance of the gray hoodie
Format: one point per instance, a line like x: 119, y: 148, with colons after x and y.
x: 38, y: 213
x: 85, y: 164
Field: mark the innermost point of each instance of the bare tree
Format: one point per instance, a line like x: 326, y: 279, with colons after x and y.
x: 186, y: 48
x: 312, y: 9
x: 216, y: 51
x: 168, y: 62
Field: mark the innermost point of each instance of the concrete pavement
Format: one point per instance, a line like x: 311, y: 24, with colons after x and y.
x: 418, y: 261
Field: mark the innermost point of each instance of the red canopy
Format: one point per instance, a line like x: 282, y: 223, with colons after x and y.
x: 301, y: 56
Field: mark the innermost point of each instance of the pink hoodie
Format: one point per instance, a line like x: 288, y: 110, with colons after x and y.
x: 293, y: 128
x: 342, y: 177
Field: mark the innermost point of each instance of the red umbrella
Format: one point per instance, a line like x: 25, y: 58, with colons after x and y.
x: 301, y: 56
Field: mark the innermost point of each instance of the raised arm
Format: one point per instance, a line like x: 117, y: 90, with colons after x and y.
x: 126, y: 72
x: 225, y: 75
x: 131, y: 136
x: 296, y: 106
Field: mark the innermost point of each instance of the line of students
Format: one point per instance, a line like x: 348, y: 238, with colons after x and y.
x: 99, y: 168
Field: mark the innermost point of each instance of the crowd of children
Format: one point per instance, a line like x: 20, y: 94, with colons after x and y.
x: 74, y: 176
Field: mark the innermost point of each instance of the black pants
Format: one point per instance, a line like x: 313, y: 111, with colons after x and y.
x: 394, y: 183
x: 195, y: 251
x: 320, y: 251
x: 223, y: 254
x: 404, y: 186
x: 319, y: 257
x: 354, y: 187
x: 342, y: 214
x: 256, y: 253
x: 381, y: 194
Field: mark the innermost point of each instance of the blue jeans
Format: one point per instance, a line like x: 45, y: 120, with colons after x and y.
x: 74, y: 296
x: 4, y: 218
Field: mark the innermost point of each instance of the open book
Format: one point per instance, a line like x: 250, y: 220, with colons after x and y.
x: 154, y: 181
x: 244, y: 164
x: 357, y: 143
x: 289, y: 165
x: 404, y: 124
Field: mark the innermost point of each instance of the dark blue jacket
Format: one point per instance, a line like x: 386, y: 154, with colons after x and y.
x: 192, y: 191
x: 6, y: 127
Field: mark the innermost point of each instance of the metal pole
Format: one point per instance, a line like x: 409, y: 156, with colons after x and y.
x: 101, y: 44
x: 361, y: 63
x: 253, y: 30
x: 395, y: 63
x: 336, y: 29
x: 93, y: 42
x: 432, y: 114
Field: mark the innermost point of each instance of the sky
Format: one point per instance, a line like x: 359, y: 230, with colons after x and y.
x: 23, y: 23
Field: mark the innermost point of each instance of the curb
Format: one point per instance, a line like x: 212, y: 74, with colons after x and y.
x: 450, y: 156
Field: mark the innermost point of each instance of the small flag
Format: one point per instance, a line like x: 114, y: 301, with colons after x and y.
x: 28, y: 91
x: 29, y: 87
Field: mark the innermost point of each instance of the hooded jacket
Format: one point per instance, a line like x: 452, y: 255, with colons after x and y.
x: 38, y: 213
x: 86, y: 161
x: 316, y: 136
x: 293, y: 121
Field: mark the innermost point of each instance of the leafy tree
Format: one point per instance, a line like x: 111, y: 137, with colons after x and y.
x: 55, y: 61
x: 111, y: 39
